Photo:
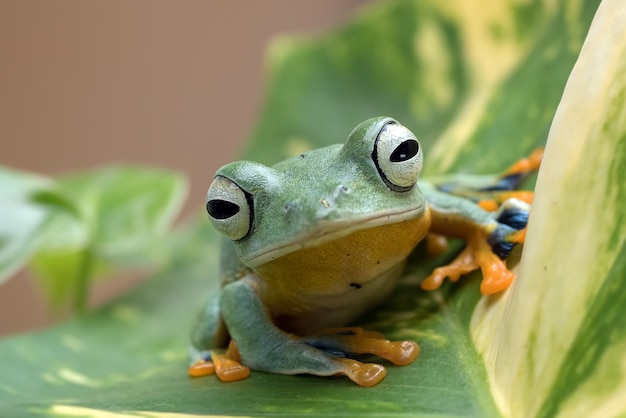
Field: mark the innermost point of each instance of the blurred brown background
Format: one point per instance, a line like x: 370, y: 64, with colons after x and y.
x: 172, y: 83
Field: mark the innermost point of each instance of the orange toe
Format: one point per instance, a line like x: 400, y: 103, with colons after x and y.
x: 201, y: 368
x: 363, y: 374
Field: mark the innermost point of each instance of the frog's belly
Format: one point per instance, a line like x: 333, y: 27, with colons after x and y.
x: 333, y: 283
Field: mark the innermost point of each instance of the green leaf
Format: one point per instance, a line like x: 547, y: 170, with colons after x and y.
x: 566, y: 308
x: 125, y: 212
x: 28, y: 205
x: 84, y: 224
x: 129, y: 209
x: 480, y: 87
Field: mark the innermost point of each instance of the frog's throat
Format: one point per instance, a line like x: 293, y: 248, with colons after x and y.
x: 327, y: 231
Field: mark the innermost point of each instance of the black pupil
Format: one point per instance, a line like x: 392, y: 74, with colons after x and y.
x: 405, y: 151
x: 221, y: 209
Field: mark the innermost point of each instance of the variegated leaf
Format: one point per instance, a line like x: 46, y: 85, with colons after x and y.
x: 556, y: 343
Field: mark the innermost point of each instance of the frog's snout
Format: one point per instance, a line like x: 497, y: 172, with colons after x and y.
x: 329, y: 203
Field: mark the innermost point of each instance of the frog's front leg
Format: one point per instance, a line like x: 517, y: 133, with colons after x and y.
x: 209, y: 337
x: 490, y: 238
x: 263, y: 346
x: 477, y: 254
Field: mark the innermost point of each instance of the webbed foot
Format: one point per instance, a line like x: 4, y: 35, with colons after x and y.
x: 491, y: 191
x: 356, y: 340
x: 497, y: 198
x: 477, y: 254
x: 363, y: 374
x: 508, y: 181
x: 345, y: 342
x: 488, y: 253
x: 227, y: 366
x: 526, y: 165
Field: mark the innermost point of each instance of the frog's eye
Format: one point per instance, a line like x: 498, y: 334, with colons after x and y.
x: 398, y: 157
x: 229, y: 208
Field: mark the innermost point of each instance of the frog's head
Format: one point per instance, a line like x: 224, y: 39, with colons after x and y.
x: 321, y: 195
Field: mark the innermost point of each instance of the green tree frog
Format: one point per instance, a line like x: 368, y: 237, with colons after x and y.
x: 316, y: 240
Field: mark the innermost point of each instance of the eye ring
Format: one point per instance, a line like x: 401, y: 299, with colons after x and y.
x: 230, y: 208
x: 398, y: 157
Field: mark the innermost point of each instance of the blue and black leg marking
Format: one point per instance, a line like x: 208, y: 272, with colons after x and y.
x: 197, y: 355
x: 329, y: 345
x: 511, y: 217
x: 328, y: 348
x: 489, y: 190
x: 506, y: 183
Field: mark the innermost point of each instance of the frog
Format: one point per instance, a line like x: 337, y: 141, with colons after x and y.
x: 314, y: 242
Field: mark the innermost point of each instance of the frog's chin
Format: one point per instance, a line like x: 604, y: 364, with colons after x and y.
x: 327, y: 231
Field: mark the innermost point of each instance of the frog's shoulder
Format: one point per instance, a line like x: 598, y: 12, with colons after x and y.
x: 231, y: 268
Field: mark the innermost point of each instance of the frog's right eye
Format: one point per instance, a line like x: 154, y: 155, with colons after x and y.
x: 398, y: 157
x: 229, y: 208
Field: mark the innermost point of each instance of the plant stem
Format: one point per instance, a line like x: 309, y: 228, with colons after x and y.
x: 83, y: 277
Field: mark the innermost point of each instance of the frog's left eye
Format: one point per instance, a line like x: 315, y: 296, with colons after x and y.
x: 229, y: 208
x: 398, y: 157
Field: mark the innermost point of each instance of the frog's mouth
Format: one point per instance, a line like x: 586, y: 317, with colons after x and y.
x: 327, y: 231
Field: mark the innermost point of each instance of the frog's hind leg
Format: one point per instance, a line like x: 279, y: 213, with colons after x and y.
x: 359, y: 341
x: 509, y: 182
x: 526, y: 165
x: 512, y: 178
x: 489, y: 192
x: 512, y: 218
x: 345, y: 342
